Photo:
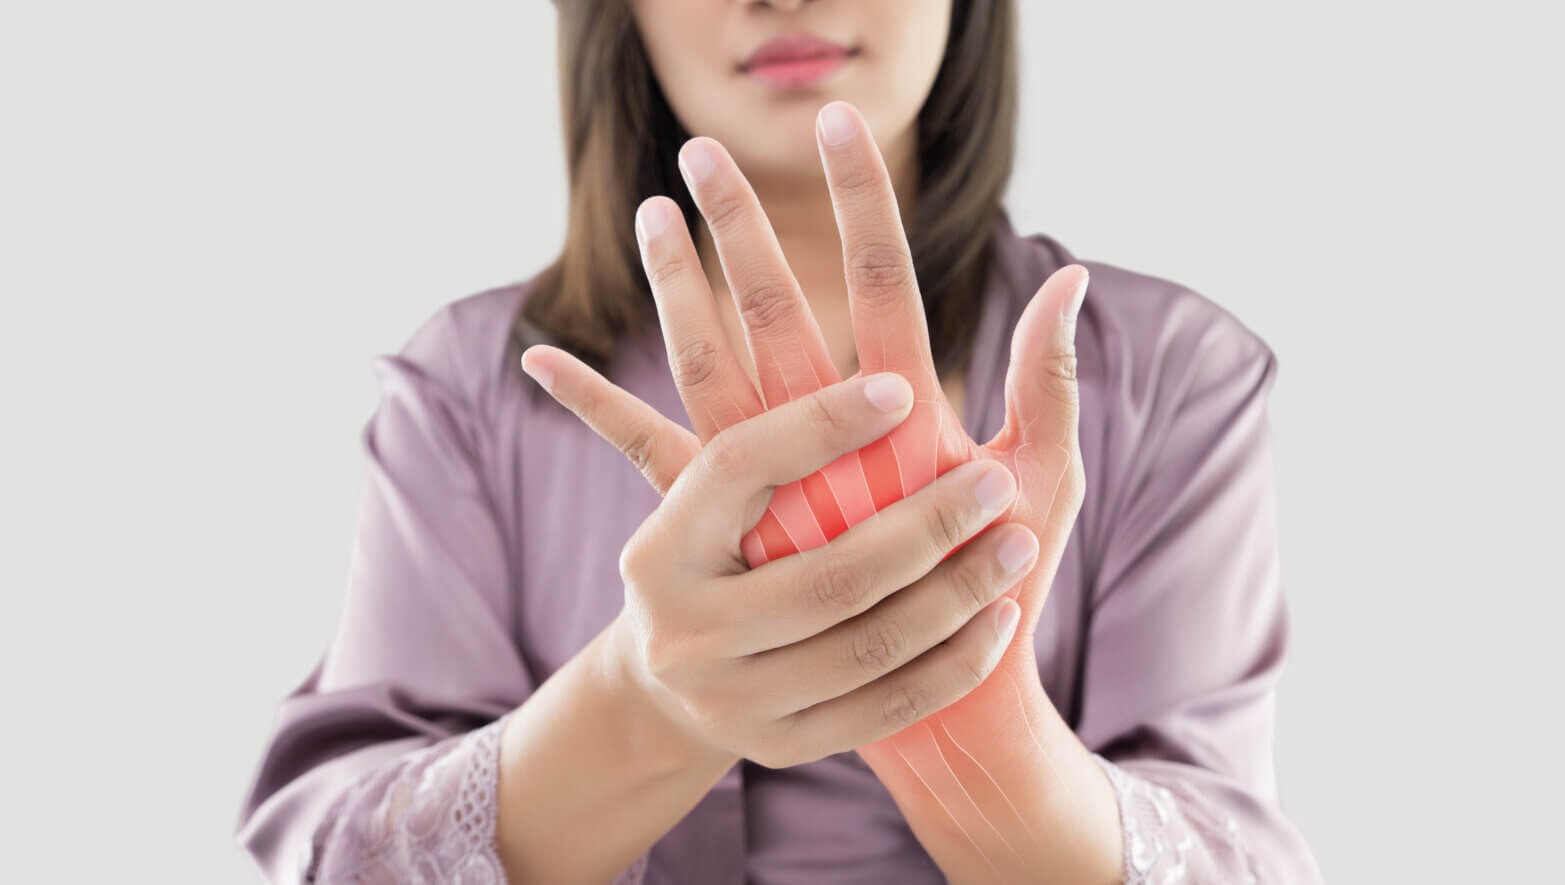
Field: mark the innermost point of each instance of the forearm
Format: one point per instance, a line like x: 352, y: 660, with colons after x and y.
x: 998, y: 789
x: 590, y: 776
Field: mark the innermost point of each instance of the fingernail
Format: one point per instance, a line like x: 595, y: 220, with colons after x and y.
x: 1016, y: 552
x: 888, y: 392
x: 540, y: 374
x: 1074, y: 307
x: 837, y: 125
x: 697, y: 161
x: 1005, y: 617
x: 653, y: 218
x: 995, y: 489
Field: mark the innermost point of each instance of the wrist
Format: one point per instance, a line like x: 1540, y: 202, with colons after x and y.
x: 650, y: 732
x: 1000, y: 775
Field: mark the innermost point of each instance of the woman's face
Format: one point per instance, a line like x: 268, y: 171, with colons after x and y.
x: 699, y: 49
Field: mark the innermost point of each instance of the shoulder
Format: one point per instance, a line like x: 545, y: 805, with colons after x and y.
x: 1142, y: 336
x: 467, y: 346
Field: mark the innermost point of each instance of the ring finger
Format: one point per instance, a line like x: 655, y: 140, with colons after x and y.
x: 711, y: 383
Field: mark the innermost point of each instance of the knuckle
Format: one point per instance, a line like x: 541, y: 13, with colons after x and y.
x: 905, y: 703
x: 662, y: 651
x: 637, y: 445
x: 946, y: 525
x: 631, y: 561
x: 970, y: 581
x: 695, y: 363
x: 766, y: 303
x: 726, y: 458
x: 672, y: 645
x: 777, y: 745
x: 820, y: 413
x: 1073, y: 486
x: 878, y: 269
x: 709, y: 718
x: 724, y: 212
x: 838, y: 586
x: 666, y: 271
x: 587, y: 403
x: 972, y: 673
x: 859, y: 180
x: 878, y: 644
x: 1059, y: 377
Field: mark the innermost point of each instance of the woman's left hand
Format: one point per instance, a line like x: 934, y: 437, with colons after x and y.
x: 1038, y: 440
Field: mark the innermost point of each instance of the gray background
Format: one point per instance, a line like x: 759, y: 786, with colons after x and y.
x: 213, y: 215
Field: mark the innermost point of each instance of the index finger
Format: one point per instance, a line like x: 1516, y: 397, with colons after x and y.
x: 889, y: 326
x: 711, y: 383
x: 737, y: 471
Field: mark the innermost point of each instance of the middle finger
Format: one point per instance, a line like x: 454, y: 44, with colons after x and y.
x: 889, y: 326
x: 791, y: 359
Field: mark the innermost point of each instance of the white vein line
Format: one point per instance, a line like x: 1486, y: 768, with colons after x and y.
x: 810, y: 509
x: 784, y: 526
x: 943, y: 807
x: 1026, y: 720
x: 743, y: 415
x: 835, y: 500
x: 934, y: 456
x: 869, y: 493
x: 996, y: 783
x: 781, y: 376
x: 963, y: 787
x: 897, y: 457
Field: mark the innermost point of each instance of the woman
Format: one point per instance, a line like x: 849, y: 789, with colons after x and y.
x: 560, y: 664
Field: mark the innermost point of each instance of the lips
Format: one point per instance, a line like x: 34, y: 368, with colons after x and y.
x: 796, y: 61
x: 796, y: 47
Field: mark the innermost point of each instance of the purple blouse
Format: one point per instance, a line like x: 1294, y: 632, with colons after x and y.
x: 486, y: 555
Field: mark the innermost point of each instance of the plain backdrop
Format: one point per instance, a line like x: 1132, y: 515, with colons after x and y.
x: 214, y: 214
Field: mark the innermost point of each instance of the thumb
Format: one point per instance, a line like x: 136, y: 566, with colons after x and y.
x: 1042, y: 402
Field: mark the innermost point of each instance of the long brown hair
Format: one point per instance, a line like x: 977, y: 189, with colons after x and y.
x: 613, y: 108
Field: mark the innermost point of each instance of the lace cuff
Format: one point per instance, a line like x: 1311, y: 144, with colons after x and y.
x: 1172, y: 834
x: 429, y: 817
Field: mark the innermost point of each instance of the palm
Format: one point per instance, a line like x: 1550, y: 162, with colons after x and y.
x: 1037, y: 441
x: 931, y: 441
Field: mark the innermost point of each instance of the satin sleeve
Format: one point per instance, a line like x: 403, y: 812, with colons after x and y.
x: 382, y: 765
x: 1188, y: 629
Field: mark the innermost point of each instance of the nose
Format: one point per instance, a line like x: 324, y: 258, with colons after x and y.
x: 785, y: 5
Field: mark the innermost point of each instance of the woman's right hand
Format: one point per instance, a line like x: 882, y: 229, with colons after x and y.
x: 826, y: 650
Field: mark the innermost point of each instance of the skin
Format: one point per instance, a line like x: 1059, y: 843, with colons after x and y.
x: 695, y: 48
x: 614, y: 749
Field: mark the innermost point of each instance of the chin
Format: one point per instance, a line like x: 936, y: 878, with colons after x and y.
x: 778, y: 152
